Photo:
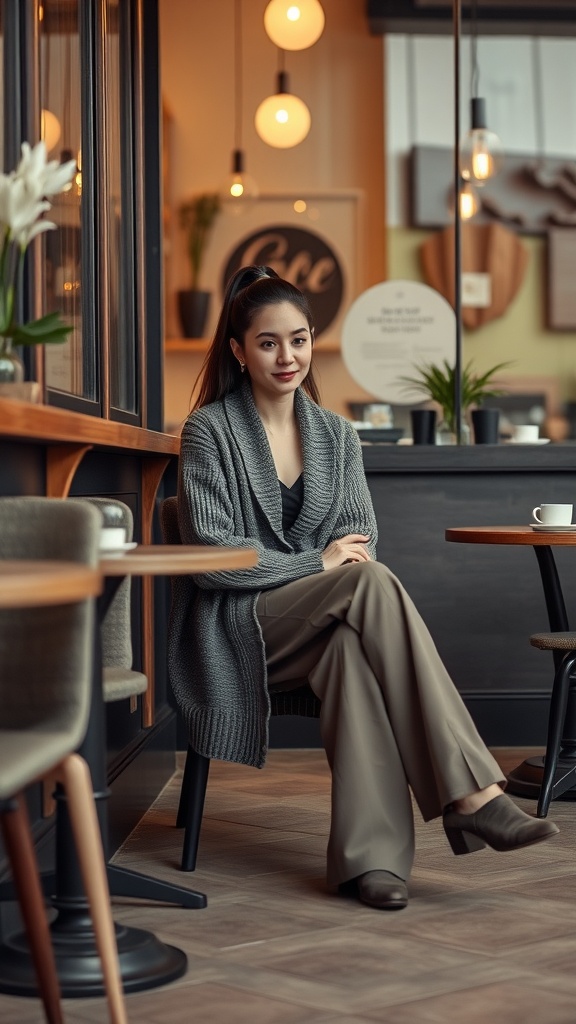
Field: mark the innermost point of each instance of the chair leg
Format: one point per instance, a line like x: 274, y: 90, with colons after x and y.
x: 22, y: 857
x: 185, y: 789
x: 558, y: 705
x: 192, y: 805
x: 75, y: 776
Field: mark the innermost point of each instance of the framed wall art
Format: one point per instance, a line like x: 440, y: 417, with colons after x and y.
x: 310, y: 238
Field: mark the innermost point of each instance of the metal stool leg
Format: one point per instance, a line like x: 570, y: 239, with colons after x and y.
x: 558, y: 705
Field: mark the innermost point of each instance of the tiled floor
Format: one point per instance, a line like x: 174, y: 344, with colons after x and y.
x: 486, y: 939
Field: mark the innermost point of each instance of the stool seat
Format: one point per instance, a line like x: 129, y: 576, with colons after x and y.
x: 554, y: 641
x: 119, y: 683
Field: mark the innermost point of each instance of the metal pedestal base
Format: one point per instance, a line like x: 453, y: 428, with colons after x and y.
x: 145, y: 962
x: 526, y: 778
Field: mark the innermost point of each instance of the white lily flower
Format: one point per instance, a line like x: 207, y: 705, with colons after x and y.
x: 20, y: 209
x: 24, y: 237
x: 23, y: 202
x: 42, y: 177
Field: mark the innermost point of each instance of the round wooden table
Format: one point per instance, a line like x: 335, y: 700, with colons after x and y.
x: 526, y: 778
x: 145, y: 961
x: 36, y: 583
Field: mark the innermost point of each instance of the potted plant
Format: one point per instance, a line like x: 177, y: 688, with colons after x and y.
x: 23, y: 203
x: 197, y: 217
x: 437, y: 384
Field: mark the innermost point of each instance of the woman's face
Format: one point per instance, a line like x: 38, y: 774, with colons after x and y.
x: 277, y: 350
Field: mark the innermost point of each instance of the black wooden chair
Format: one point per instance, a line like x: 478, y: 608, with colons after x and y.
x: 301, y: 701
x: 552, y: 786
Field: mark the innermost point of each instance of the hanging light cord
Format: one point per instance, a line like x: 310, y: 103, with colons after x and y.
x: 238, y: 74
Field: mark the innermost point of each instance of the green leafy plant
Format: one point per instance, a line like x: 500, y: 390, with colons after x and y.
x: 197, y: 218
x: 437, y: 384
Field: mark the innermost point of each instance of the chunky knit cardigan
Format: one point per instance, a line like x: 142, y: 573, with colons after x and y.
x: 228, y: 493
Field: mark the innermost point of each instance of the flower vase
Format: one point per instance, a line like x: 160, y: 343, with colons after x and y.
x: 12, y: 383
x: 11, y: 366
x: 446, y: 433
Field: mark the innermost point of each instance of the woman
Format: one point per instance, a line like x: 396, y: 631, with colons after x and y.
x: 263, y: 465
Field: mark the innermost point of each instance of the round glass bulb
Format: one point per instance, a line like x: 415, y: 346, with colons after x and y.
x: 469, y: 201
x: 480, y: 156
x: 294, y: 24
x: 282, y: 120
x: 238, y: 193
x: 49, y: 129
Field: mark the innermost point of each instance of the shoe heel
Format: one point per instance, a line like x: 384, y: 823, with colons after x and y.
x: 463, y: 842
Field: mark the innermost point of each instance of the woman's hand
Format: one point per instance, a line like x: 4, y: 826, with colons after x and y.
x: 351, y: 548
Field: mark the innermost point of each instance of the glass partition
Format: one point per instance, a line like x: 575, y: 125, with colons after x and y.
x: 69, y: 367
x: 118, y: 226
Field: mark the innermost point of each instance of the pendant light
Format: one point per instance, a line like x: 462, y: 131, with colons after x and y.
x: 468, y: 200
x: 481, y: 149
x: 239, y: 191
x: 294, y: 24
x: 282, y: 120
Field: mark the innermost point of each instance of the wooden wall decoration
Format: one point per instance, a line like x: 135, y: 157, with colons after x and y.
x: 486, y: 249
x: 530, y: 195
x: 561, y: 275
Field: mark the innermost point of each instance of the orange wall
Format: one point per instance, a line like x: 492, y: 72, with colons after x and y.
x: 341, y: 80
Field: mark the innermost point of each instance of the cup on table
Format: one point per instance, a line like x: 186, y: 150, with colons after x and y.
x: 112, y: 537
x: 525, y: 433
x: 553, y: 515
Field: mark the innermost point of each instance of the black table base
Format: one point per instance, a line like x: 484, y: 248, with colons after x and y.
x: 145, y: 962
x: 526, y: 779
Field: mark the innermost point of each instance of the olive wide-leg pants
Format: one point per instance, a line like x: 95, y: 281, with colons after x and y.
x: 391, y: 720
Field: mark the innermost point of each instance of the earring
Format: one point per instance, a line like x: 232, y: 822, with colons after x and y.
x: 242, y: 367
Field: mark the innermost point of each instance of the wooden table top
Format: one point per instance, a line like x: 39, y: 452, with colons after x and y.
x: 30, y: 584
x: 510, y: 535
x: 177, y: 560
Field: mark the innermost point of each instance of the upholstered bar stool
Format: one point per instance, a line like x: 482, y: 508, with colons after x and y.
x: 300, y: 701
x: 45, y: 682
x: 565, y: 643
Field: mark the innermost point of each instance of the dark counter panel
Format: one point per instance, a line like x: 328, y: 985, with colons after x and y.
x: 480, y: 602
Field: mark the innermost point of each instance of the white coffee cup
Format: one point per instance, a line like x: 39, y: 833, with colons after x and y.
x: 553, y: 515
x: 112, y: 537
x: 526, y: 432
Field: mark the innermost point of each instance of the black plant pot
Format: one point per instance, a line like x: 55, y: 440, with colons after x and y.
x: 486, y: 424
x: 193, y: 311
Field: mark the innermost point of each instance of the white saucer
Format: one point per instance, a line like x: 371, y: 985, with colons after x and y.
x: 542, y: 528
x: 120, y: 549
x: 538, y: 440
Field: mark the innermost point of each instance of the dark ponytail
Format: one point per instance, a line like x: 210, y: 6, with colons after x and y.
x: 248, y: 291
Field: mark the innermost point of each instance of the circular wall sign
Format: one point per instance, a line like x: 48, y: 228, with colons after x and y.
x: 390, y: 330
x: 301, y: 257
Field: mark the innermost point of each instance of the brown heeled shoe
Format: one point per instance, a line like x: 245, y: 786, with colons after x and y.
x: 379, y: 889
x: 499, y: 824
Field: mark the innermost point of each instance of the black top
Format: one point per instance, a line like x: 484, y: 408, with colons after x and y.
x: 292, y: 498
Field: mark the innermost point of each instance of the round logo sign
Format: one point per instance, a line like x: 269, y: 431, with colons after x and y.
x: 392, y: 329
x: 301, y: 257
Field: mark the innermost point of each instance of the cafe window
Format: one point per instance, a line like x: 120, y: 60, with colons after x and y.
x: 82, y: 92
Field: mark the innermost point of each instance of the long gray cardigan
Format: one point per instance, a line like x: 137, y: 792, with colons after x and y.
x: 228, y: 493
